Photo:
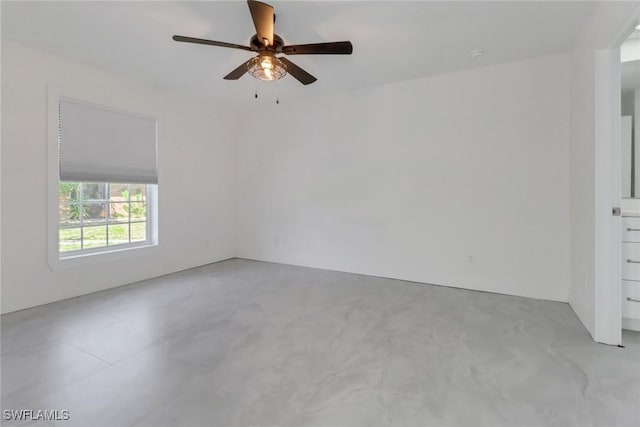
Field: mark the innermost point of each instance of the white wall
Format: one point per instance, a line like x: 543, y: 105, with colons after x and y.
x: 196, y: 173
x: 408, y: 180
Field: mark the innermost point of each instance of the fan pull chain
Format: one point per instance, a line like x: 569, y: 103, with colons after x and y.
x: 277, y: 100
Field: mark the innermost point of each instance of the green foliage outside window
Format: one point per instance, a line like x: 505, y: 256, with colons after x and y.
x: 138, y: 209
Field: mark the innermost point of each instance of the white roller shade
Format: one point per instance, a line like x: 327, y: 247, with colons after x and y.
x: 102, y: 145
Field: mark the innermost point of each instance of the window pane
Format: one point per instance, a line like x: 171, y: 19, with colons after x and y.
x: 64, y: 213
x: 118, y: 234
x: 139, y: 232
x: 91, y: 217
x: 118, y: 212
x: 69, y: 240
x: 138, y: 210
x: 94, y: 237
x: 95, y: 213
x: 138, y: 192
x: 118, y: 191
x: 76, y: 213
x: 69, y: 192
x: 93, y: 191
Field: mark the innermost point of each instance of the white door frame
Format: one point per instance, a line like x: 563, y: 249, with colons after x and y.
x: 608, y: 286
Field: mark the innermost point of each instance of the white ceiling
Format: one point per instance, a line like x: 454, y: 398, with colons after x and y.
x: 393, y: 41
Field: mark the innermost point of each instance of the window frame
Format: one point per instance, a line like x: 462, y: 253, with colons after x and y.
x: 63, y: 260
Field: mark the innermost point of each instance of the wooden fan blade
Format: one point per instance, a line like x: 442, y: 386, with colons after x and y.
x: 238, y: 72
x: 210, y: 42
x: 332, y: 48
x: 301, y: 75
x: 263, y: 18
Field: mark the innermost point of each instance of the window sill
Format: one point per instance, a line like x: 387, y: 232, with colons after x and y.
x: 75, y: 260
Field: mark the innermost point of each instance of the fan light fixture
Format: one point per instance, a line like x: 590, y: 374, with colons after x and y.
x: 267, y: 67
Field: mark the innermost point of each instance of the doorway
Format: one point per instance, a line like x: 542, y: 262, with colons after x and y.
x: 629, y: 180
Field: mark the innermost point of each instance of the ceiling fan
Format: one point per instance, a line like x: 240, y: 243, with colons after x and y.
x: 266, y: 65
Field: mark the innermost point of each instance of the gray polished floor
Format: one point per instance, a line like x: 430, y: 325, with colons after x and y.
x: 249, y: 343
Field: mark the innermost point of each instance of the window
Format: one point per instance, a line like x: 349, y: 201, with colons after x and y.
x: 96, y: 216
x: 106, y: 178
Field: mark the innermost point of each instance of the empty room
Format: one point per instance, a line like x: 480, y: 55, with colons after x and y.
x: 320, y: 213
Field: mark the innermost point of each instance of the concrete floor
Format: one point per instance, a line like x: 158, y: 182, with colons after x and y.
x: 251, y: 343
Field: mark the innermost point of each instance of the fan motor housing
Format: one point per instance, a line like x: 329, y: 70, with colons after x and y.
x: 257, y: 45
